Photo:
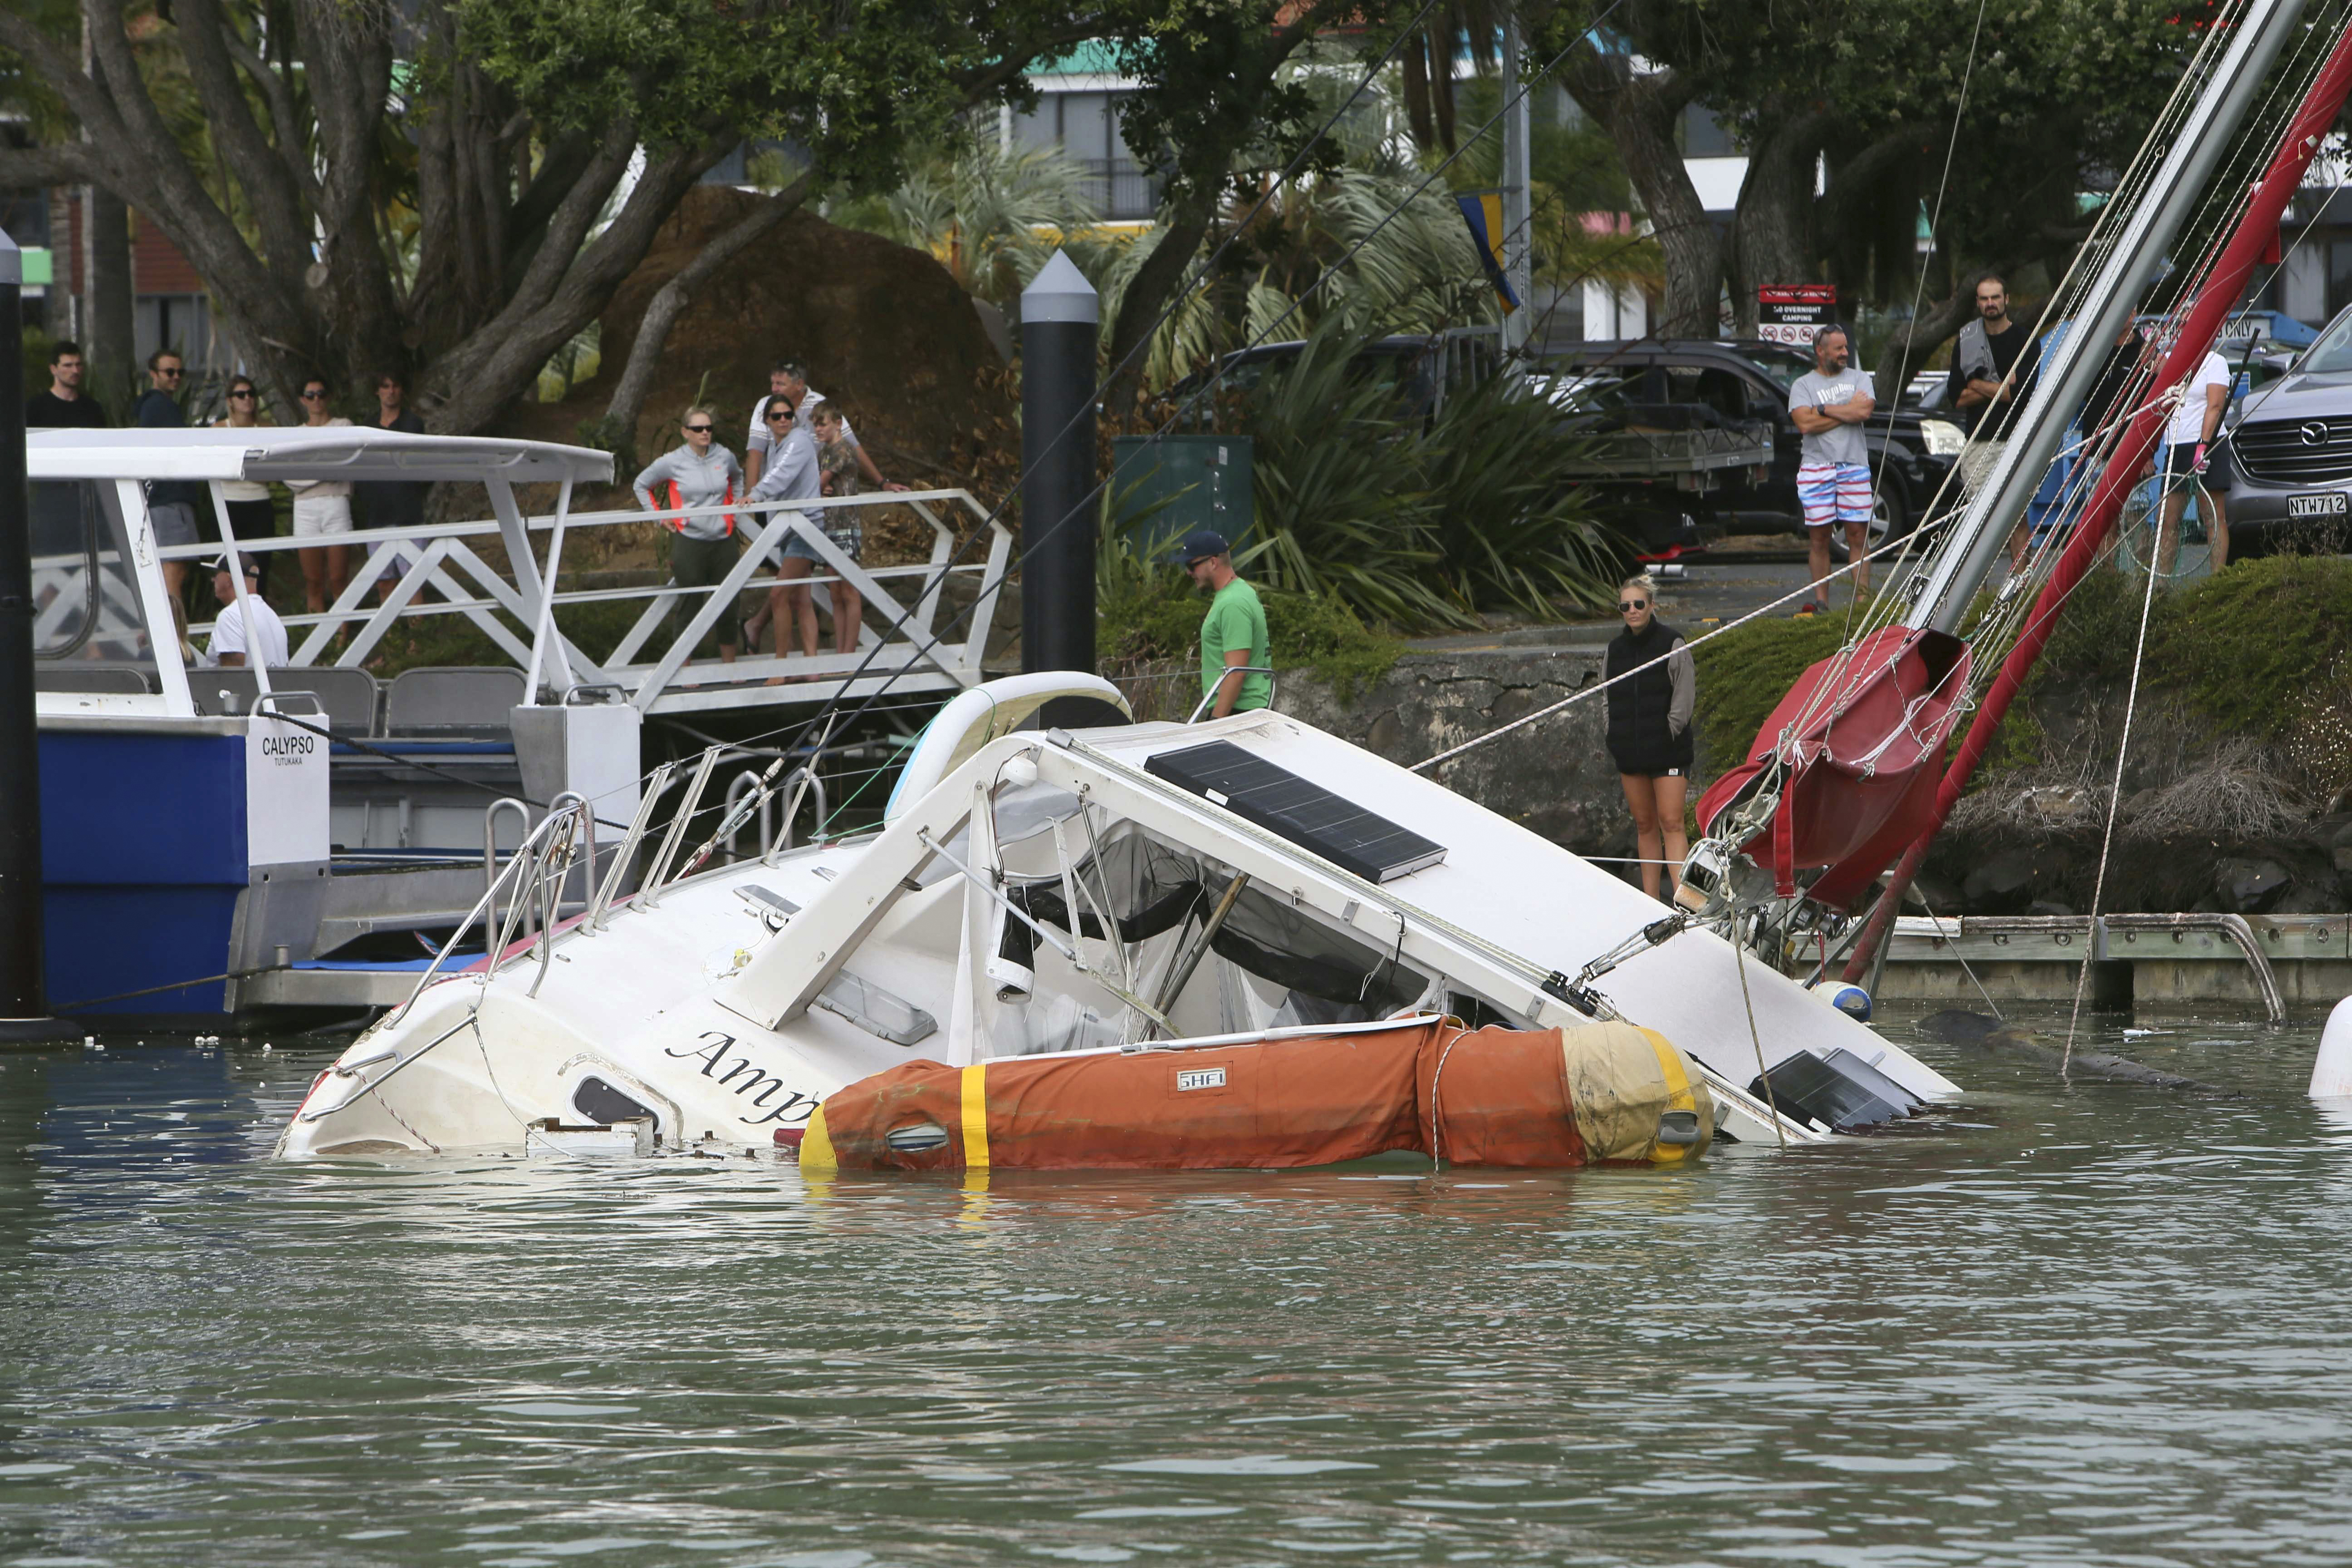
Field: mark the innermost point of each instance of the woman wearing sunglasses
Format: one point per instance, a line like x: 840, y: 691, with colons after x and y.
x: 702, y: 550
x: 1649, y: 728
x: 250, y: 512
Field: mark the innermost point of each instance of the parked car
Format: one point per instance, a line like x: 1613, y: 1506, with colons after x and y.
x: 2291, y: 488
x: 1745, y: 380
x: 1422, y: 368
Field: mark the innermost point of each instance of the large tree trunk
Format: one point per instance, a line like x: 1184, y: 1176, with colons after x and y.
x: 1772, y: 232
x: 617, y: 430
x: 1909, y: 348
x: 1639, y: 112
x: 1146, y: 292
x: 111, y: 350
x: 1199, y: 181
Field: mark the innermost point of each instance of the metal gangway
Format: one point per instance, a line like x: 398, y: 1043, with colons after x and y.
x: 927, y: 630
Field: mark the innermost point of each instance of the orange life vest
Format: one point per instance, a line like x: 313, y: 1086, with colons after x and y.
x: 679, y: 523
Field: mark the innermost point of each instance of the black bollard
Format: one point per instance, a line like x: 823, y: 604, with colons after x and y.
x: 23, y: 1005
x: 1059, y: 313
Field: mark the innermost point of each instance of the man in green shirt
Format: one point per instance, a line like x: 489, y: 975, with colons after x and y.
x: 1234, y: 635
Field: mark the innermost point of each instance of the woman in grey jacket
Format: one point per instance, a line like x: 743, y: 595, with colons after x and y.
x: 702, y: 547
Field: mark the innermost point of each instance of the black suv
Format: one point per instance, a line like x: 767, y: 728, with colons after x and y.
x: 1735, y: 382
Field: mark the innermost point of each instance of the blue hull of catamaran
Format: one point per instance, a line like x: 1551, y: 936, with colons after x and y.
x: 165, y: 848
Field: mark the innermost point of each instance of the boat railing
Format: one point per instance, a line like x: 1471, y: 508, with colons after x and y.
x: 916, y: 639
x: 1211, y: 695
x: 525, y: 870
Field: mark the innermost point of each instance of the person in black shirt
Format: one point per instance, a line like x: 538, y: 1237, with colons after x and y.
x: 172, y: 505
x: 1649, y: 735
x: 1985, y: 379
x: 392, y: 503
x: 56, y: 509
x: 63, y: 406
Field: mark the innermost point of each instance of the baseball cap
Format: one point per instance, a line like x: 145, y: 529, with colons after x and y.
x: 1200, y: 542
x: 220, y: 564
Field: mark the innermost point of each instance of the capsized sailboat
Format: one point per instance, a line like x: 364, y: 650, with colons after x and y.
x: 1036, y: 893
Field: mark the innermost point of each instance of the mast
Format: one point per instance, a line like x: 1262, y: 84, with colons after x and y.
x: 1961, y: 568
x: 2255, y: 231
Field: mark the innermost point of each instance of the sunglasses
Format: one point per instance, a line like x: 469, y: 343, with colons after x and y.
x: 318, y: 396
x: 784, y: 419
x: 174, y: 373
x: 243, y: 393
x: 1623, y: 604
x: 696, y: 429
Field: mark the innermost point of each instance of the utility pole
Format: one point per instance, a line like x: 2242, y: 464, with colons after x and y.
x: 1059, y: 317
x: 23, y: 1005
x: 1518, y: 191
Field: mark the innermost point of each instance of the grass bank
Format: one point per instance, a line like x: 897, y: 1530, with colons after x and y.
x: 2260, y: 655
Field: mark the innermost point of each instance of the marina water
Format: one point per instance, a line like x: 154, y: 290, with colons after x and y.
x: 2084, y: 1324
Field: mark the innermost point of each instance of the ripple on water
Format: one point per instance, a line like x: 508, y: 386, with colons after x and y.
x: 2081, y: 1324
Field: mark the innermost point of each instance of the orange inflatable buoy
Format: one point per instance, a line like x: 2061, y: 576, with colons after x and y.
x: 1529, y: 1099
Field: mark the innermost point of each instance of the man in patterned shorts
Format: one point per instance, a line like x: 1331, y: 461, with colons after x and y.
x: 1830, y: 404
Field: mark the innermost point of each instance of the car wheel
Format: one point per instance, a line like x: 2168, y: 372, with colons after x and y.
x: 1890, y: 518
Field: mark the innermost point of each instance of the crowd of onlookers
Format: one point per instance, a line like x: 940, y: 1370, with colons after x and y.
x: 798, y: 448
x: 180, y: 511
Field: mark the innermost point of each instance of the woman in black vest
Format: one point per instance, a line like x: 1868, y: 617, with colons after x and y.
x: 1649, y: 728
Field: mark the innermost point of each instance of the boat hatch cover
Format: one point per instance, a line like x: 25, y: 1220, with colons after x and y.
x: 1839, y: 1090
x: 1305, y: 812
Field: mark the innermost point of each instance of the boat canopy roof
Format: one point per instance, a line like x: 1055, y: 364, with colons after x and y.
x: 267, y: 453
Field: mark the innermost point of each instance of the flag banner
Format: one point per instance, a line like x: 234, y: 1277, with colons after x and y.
x: 1482, y: 211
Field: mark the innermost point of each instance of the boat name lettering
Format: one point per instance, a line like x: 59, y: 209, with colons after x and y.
x: 745, y: 1079
x: 1200, y: 1078
x: 287, y: 745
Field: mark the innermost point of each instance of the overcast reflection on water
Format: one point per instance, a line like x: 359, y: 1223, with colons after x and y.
x: 2089, y: 1324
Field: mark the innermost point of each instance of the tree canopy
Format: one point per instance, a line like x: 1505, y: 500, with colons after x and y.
x: 2036, y: 102
x: 454, y: 189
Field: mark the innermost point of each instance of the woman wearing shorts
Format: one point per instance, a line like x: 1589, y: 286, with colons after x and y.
x: 1650, y: 728
x: 322, y: 510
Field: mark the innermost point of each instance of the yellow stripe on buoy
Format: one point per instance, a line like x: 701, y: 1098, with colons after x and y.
x: 1678, y: 1093
x: 975, y: 1117
x: 817, y: 1148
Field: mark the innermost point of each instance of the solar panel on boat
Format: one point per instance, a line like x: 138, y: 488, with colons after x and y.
x: 1291, y: 807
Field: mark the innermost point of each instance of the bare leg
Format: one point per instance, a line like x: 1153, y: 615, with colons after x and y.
x: 1817, y: 561
x: 785, y: 606
x: 314, y: 580
x: 848, y: 608
x: 2017, y: 544
x: 1670, y: 794
x: 2219, y: 529
x: 339, y: 569
x: 2168, y: 533
x: 804, y: 608
x: 1642, y: 801
x: 1857, y: 545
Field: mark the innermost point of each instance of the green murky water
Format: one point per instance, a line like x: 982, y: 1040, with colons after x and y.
x: 2087, y: 1324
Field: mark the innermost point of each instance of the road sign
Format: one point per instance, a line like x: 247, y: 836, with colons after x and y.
x: 1793, y: 313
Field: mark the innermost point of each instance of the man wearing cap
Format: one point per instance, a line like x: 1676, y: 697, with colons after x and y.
x: 229, y: 644
x: 1233, y: 634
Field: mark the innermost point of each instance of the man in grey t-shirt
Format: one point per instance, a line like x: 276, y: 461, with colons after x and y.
x: 1830, y: 404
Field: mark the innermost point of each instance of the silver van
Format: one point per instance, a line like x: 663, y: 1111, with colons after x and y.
x: 2293, y: 447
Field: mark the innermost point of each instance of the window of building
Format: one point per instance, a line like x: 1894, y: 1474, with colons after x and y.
x: 1705, y: 136
x: 1085, y: 126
